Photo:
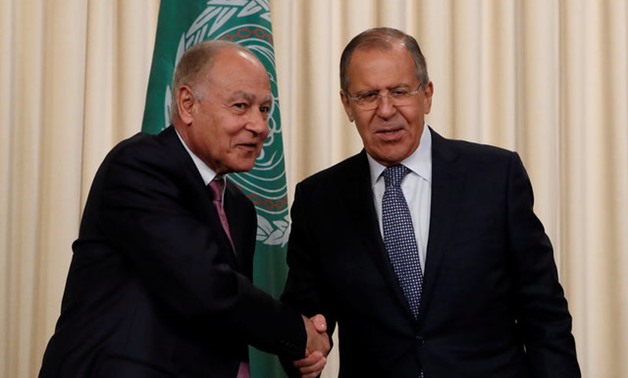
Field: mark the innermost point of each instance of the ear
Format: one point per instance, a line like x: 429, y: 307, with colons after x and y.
x: 347, y: 105
x: 186, y: 104
x: 428, y: 92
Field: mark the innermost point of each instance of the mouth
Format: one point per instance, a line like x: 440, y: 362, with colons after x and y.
x: 251, y: 147
x: 390, y: 131
x: 390, y: 134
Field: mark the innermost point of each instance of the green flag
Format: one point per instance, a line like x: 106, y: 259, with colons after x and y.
x: 181, y: 24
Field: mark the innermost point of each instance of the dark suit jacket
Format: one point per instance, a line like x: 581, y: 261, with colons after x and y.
x: 154, y: 289
x: 492, y: 305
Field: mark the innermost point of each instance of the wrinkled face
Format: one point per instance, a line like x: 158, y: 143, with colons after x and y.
x: 392, y: 130
x: 226, y: 114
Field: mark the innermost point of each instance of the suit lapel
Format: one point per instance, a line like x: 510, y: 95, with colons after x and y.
x: 198, y: 196
x: 238, y: 223
x: 358, y: 196
x: 447, y: 189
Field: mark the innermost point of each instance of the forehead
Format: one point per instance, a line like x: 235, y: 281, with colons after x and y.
x: 381, y: 68
x: 238, y: 72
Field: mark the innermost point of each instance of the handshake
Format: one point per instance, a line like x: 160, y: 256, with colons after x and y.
x: 317, y: 347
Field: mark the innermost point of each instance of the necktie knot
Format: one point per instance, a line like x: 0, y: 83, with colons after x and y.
x: 393, y: 175
x: 216, y: 187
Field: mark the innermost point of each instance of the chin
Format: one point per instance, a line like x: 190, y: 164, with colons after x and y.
x: 242, y: 167
x: 389, y: 157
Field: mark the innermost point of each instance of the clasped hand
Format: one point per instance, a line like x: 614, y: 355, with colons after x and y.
x: 317, y: 347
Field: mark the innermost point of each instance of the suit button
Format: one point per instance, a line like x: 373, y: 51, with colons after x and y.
x: 419, y: 339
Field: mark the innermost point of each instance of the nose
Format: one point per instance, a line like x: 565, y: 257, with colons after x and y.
x: 258, y: 123
x: 385, y: 107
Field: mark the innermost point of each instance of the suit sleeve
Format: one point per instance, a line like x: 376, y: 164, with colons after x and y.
x: 303, y: 288
x: 541, y: 305
x: 147, y: 213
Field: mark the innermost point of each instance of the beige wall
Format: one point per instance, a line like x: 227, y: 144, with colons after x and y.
x: 547, y: 78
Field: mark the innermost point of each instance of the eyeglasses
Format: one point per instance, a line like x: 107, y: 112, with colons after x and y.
x: 370, y: 100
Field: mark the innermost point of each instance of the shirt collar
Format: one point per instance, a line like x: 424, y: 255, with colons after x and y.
x: 420, y: 162
x: 207, y: 173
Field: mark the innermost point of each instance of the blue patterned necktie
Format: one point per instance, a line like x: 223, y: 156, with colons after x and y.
x: 399, y: 237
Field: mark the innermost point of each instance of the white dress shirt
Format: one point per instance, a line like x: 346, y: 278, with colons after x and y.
x: 207, y: 173
x: 416, y: 187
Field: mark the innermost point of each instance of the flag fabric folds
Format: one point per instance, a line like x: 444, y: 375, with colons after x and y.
x: 181, y: 24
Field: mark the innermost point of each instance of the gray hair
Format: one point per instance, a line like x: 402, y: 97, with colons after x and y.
x: 383, y: 38
x: 195, y: 66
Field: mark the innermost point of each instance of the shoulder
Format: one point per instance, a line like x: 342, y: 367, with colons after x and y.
x: 150, y: 151
x: 470, y: 153
x: 350, y: 169
x: 145, y: 158
x: 142, y: 144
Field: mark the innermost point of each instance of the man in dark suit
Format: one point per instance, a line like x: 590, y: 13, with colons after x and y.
x: 482, y: 297
x: 158, y: 286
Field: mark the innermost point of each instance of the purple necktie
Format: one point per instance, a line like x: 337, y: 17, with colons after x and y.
x: 216, y: 187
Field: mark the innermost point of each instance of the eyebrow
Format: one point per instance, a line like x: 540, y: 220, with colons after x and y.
x: 249, y: 96
x: 400, y: 85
